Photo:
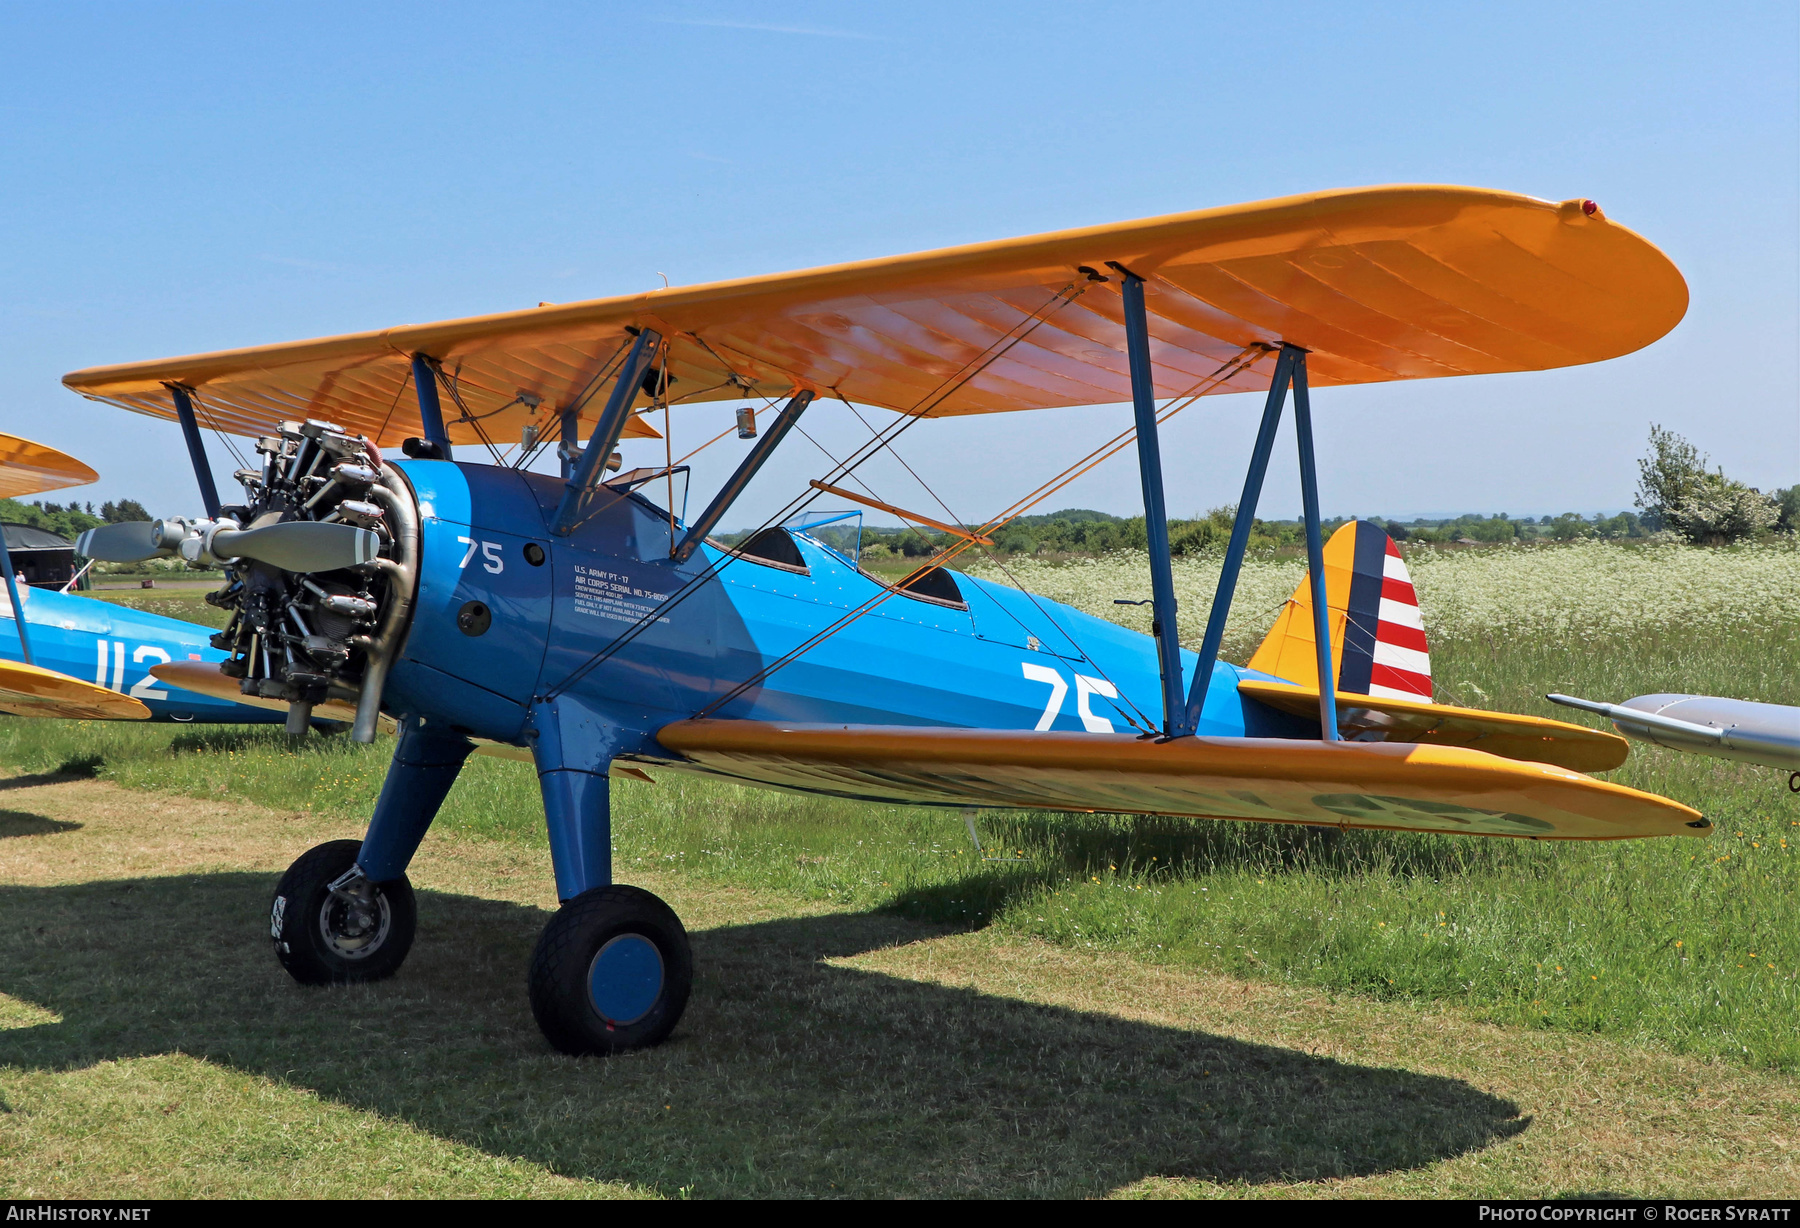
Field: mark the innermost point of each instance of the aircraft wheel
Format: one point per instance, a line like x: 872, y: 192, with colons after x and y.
x: 611, y: 972
x: 360, y: 932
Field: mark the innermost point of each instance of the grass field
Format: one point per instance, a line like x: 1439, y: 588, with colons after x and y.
x: 1656, y: 955
x: 188, y: 604
x: 149, y: 1046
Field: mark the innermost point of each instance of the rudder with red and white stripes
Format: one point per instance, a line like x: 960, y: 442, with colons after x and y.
x: 1378, y: 636
x: 1401, y: 664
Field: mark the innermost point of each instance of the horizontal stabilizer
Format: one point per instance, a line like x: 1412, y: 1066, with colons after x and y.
x: 1376, y: 785
x: 28, y: 690
x: 1533, y: 739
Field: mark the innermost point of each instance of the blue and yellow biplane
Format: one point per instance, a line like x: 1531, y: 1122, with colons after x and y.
x: 62, y: 638
x: 574, y: 620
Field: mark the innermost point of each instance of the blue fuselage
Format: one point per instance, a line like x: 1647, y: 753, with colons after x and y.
x: 116, y: 647
x: 1006, y: 661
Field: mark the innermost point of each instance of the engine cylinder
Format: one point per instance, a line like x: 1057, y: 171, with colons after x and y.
x: 315, y: 637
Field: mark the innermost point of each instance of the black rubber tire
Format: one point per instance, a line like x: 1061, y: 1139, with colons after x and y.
x: 565, y: 953
x: 297, y: 921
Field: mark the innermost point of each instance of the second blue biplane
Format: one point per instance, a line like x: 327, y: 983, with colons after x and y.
x: 580, y: 623
x: 63, y: 638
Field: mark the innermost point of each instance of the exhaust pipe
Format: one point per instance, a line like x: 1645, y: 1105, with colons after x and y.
x: 396, y: 499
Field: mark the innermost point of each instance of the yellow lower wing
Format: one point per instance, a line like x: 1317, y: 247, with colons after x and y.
x: 1531, y: 738
x: 1377, y: 785
x: 27, y: 690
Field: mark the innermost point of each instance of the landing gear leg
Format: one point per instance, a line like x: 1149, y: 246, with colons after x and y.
x: 612, y: 970
x: 344, y: 911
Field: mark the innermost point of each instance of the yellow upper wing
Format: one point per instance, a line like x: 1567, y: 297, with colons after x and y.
x: 1378, y: 283
x: 1337, y: 784
x: 29, y: 690
x: 28, y: 468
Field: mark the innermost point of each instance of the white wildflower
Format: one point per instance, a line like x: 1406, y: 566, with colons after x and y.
x: 1580, y: 590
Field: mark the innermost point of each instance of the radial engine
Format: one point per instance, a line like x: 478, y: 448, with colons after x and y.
x: 321, y: 569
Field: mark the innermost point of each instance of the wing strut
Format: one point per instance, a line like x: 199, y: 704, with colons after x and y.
x: 606, y: 431
x: 190, y: 431
x: 902, y: 513
x: 1315, y: 550
x: 431, y: 409
x: 728, y: 493
x: 18, y: 610
x: 1156, y: 519
x: 1290, y: 368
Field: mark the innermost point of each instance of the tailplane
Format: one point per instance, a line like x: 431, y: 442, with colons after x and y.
x: 1377, y: 635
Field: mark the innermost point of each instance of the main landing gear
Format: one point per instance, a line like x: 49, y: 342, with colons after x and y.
x: 332, y: 926
x: 611, y: 971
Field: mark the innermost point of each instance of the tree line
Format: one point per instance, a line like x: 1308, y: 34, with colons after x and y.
x: 69, y: 520
x: 1677, y: 494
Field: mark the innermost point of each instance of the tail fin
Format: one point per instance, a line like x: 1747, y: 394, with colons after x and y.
x: 1377, y: 636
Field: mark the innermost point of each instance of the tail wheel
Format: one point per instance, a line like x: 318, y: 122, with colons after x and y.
x: 611, y: 972
x: 331, y: 926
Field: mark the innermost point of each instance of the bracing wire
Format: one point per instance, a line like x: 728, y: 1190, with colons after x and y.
x: 994, y: 558
x: 994, y: 351
x: 1243, y: 359
x: 399, y: 392
x: 212, y: 424
x: 452, y: 385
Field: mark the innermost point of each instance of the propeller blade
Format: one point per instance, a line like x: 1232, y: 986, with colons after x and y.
x: 129, y: 542
x: 299, y: 545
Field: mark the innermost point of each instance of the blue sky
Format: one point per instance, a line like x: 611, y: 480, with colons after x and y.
x: 177, y: 178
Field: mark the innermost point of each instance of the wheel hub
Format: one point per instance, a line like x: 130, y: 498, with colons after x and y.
x: 625, y: 979
x: 354, y: 925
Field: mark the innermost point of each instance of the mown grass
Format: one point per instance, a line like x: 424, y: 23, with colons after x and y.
x: 187, y: 604
x: 1686, y: 943
x: 150, y: 1047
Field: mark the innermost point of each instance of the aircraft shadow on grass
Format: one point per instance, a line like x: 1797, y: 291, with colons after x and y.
x: 25, y: 823
x: 788, y: 1075
x: 1060, y: 848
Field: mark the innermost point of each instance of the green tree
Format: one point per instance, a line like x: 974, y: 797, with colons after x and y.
x: 1625, y: 524
x: 914, y: 544
x: 1568, y: 527
x: 122, y: 511
x: 1788, y: 501
x: 1717, y: 511
x: 1676, y: 491
x: 69, y: 522
x: 1666, y: 474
